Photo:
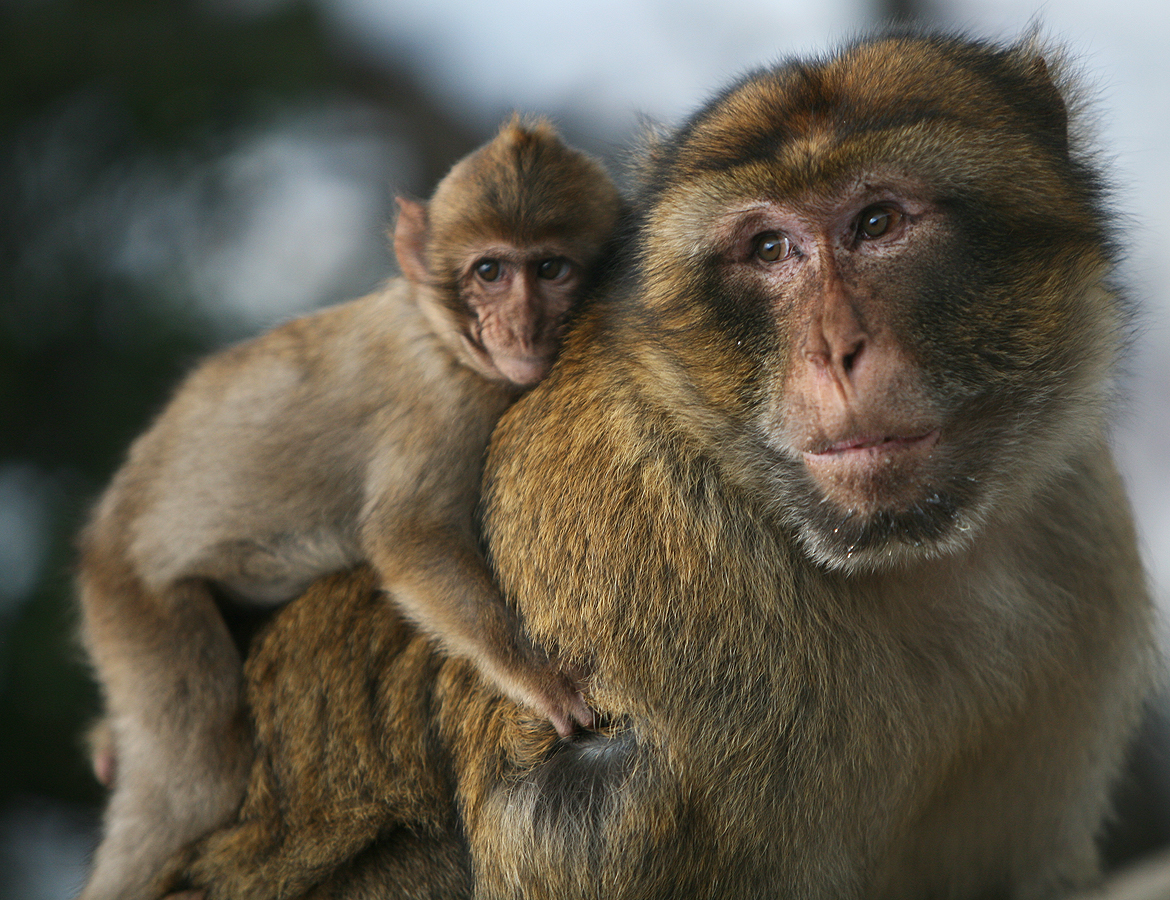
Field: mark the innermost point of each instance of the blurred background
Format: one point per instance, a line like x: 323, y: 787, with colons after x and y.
x: 175, y: 176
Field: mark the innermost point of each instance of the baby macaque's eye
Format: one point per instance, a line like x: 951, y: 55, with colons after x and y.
x: 551, y: 269
x: 488, y: 269
x: 771, y: 246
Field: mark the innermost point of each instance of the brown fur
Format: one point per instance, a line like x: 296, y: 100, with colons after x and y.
x: 822, y: 676
x: 353, y: 434
x: 379, y: 770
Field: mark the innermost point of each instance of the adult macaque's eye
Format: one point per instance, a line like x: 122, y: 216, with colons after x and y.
x: 771, y: 246
x: 876, y: 221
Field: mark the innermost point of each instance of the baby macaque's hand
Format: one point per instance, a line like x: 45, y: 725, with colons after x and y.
x: 562, y: 702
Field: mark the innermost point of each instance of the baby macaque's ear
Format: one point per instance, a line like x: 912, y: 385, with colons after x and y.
x: 410, y: 240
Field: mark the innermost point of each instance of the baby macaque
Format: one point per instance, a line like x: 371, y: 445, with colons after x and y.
x: 354, y: 434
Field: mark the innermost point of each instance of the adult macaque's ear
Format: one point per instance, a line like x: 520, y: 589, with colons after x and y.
x: 1047, y: 106
x: 410, y: 240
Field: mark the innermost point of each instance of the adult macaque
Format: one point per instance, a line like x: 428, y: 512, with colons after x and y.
x: 821, y: 501
x: 355, y: 434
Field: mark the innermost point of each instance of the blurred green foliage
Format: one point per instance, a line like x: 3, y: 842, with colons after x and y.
x: 176, y: 69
